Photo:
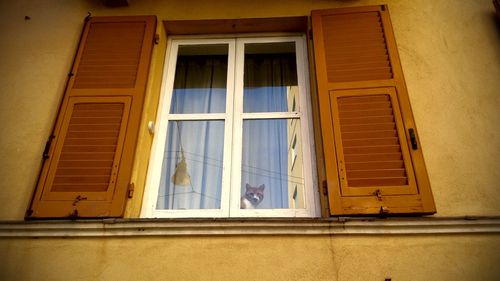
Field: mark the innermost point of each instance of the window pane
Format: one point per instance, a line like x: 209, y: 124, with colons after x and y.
x: 200, y: 79
x: 192, y: 166
x: 272, y: 170
x: 270, y: 79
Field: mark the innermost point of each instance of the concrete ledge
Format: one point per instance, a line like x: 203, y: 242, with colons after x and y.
x: 221, y: 227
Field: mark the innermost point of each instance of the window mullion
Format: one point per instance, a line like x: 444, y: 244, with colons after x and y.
x: 227, y: 179
x: 237, y: 126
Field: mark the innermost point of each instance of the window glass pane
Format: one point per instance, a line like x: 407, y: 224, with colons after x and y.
x: 270, y: 79
x: 200, y: 79
x: 192, y: 166
x: 272, y: 170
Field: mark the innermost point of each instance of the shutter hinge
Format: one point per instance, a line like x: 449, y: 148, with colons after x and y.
x: 156, y: 39
x: 310, y: 34
x: 87, y: 18
x: 378, y: 194
x: 29, y: 213
x: 325, y: 188
x: 46, y: 150
x: 73, y: 215
x: 130, y: 190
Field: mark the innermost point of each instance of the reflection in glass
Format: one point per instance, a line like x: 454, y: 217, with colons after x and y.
x: 196, y: 182
x: 200, y: 79
x: 272, y: 157
x: 270, y: 78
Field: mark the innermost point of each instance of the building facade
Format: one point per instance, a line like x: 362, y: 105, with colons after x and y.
x: 424, y: 209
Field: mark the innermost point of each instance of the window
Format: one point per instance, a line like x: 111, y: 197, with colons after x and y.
x: 232, y: 130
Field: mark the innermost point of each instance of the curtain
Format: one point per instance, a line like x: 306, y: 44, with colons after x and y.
x: 266, y: 141
x: 199, y: 87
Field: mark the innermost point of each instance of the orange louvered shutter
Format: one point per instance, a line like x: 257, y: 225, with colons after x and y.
x: 88, y: 165
x: 373, y: 159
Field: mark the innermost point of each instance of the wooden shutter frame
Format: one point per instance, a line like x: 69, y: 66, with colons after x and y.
x: 420, y: 203
x: 41, y: 208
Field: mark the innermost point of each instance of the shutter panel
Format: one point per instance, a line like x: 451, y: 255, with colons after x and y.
x: 90, y: 159
x: 357, y: 49
x: 366, y: 119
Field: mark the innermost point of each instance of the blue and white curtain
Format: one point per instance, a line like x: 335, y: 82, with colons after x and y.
x: 200, y: 87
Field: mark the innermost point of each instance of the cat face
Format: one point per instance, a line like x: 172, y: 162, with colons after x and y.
x: 254, y: 194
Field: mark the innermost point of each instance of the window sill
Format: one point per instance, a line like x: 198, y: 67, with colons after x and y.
x: 224, y: 227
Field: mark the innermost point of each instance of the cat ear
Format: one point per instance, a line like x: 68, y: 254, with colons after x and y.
x: 248, y: 186
x: 262, y: 186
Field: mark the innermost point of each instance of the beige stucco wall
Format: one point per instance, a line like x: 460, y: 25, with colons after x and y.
x: 451, y: 59
x: 414, y: 258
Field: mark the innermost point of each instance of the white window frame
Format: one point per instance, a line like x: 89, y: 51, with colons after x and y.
x: 233, y: 130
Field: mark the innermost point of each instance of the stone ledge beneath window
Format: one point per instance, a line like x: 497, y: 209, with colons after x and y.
x: 222, y: 227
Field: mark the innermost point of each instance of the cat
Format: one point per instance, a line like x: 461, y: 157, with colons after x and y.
x: 252, y: 197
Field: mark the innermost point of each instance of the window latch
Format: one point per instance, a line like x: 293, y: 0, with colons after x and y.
x: 413, y: 139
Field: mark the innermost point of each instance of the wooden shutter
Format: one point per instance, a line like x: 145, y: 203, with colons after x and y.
x: 373, y: 158
x: 89, y: 161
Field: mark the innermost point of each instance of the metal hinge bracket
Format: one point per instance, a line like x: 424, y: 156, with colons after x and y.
x: 156, y: 39
x: 46, y: 150
x: 130, y: 191
x: 325, y: 188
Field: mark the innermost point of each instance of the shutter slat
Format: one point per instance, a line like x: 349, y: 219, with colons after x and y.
x: 95, y: 120
x: 95, y: 127
x: 370, y: 141
x: 76, y: 187
x: 93, y: 171
x: 84, y: 164
x: 90, y: 141
x: 371, y: 149
x: 92, y: 134
x: 369, y: 135
x: 99, y: 156
x: 378, y: 182
x: 368, y: 120
x: 376, y: 173
x: 363, y: 64
x: 367, y: 127
x: 89, y: 148
x: 372, y: 157
x: 80, y: 179
x: 354, y: 166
